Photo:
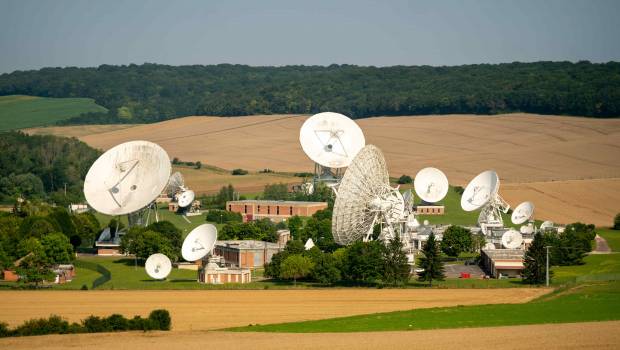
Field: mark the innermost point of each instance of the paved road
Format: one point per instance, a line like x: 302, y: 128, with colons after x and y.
x: 601, y: 246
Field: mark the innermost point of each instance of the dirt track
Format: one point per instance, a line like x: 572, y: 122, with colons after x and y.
x: 595, y: 335
x: 203, y: 310
x: 558, y: 156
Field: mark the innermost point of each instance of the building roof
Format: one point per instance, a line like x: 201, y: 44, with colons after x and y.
x: 275, y: 202
x: 504, y: 254
x: 248, y: 244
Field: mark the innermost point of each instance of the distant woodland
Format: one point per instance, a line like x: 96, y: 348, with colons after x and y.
x: 39, y: 167
x: 152, y: 92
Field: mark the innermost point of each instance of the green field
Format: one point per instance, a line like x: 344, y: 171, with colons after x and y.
x: 597, y: 302
x: 611, y: 236
x: 18, y: 112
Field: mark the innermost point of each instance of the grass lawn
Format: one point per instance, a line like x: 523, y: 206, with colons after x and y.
x: 18, y: 112
x: 596, y: 267
x: 597, y: 302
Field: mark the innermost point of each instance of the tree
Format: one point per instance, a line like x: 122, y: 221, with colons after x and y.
x: 617, y: 222
x: 325, y: 269
x: 405, y: 179
x: 295, y: 225
x: 363, y: 262
x: 430, y: 262
x: 34, y: 267
x: 395, y: 265
x: 535, y: 260
x: 277, y: 191
x: 143, y: 243
x: 169, y: 231
x: 295, y: 266
x: 198, y: 165
x: 456, y: 239
x: 57, y: 248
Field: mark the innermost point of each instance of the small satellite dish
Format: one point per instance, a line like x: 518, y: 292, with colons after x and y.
x: 186, y: 198
x: 309, y: 244
x: 331, y: 139
x: 365, y: 198
x: 412, y: 222
x: 158, y: 266
x: 199, y: 242
x: 546, y: 225
x: 522, y: 213
x: 127, y: 178
x: 512, y: 239
x: 431, y: 184
x: 489, y: 246
x: 426, y: 223
x: 480, y: 190
x: 526, y: 229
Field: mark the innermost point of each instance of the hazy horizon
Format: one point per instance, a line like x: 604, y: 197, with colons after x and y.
x: 69, y: 33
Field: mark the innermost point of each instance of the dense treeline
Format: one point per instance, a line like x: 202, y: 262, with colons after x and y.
x: 152, y: 92
x: 40, y: 166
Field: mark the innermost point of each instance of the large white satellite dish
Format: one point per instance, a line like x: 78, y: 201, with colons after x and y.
x: 186, y: 198
x: 512, y: 239
x: 158, y: 266
x: 127, y: 178
x: 480, y: 191
x: 199, y: 242
x: 365, y: 198
x: 431, y: 184
x: 331, y: 139
x: 526, y: 229
x: 522, y: 213
x: 176, y: 184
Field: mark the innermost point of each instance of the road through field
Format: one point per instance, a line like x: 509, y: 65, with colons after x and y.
x: 204, y: 310
x: 594, y: 335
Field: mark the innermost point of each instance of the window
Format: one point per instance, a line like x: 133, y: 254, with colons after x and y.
x: 245, y: 209
x: 229, y: 207
x: 268, y: 210
x: 259, y: 209
x: 278, y: 210
x: 290, y: 210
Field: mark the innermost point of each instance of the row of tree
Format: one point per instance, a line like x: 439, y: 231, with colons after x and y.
x: 153, y: 92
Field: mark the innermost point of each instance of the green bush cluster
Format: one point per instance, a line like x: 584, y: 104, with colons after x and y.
x: 157, y: 320
x: 223, y: 216
x: 239, y: 172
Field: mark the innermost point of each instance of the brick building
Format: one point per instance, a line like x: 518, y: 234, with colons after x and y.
x: 246, y: 253
x: 503, y: 262
x: 429, y: 209
x: 272, y: 209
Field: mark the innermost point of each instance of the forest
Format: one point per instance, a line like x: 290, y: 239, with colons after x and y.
x: 43, y: 167
x: 152, y: 92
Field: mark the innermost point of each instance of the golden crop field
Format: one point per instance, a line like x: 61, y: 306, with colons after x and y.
x: 569, y: 166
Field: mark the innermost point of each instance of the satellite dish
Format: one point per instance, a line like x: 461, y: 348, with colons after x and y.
x: 489, y: 246
x: 512, y: 239
x: 158, y: 266
x: 431, y: 184
x: 331, y: 139
x: 546, y: 225
x: 176, y: 184
x: 426, y: 223
x: 526, y: 229
x: 186, y: 198
x: 522, y: 213
x: 365, y: 198
x: 408, y: 199
x: 412, y: 222
x: 480, y: 191
x: 309, y: 244
x: 127, y: 178
x: 199, y: 242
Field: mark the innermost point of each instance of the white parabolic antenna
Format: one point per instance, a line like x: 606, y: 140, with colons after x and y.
x: 512, y: 239
x: 331, y: 139
x: 199, y: 242
x: 365, y: 198
x: 186, y: 198
x: 158, y: 266
x: 546, y: 225
x: 522, y: 213
x: 480, y: 190
x: 127, y: 178
x: 309, y: 244
x: 489, y: 246
x: 431, y: 184
x: 526, y: 229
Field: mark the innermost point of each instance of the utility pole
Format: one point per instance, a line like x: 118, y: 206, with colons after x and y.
x: 547, y: 269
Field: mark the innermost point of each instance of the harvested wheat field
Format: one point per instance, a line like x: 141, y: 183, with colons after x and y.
x: 523, y: 148
x: 593, y: 335
x: 204, y: 310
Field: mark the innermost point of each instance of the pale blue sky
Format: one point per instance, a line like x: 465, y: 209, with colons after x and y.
x: 43, y: 33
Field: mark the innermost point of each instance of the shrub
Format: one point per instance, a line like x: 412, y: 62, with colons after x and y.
x: 405, y: 179
x: 617, y: 222
x: 116, y: 322
x: 161, y: 319
x: 459, y: 189
x: 94, y: 324
x: 239, y: 172
x: 41, y: 326
x: 4, y: 330
x: 223, y: 216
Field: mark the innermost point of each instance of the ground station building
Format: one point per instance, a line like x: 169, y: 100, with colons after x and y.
x: 274, y: 210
